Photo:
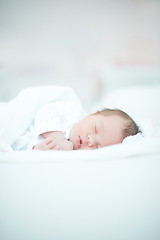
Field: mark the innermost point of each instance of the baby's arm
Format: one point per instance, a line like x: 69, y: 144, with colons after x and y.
x: 54, y: 141
x: 52, y: 120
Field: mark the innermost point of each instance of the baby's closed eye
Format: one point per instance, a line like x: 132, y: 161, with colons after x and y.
x: 95, y: 129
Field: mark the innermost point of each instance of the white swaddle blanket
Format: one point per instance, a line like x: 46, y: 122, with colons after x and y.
x: 18, y: 114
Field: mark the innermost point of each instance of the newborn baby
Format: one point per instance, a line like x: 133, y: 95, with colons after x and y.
x: 103, y: 128
x: 52, y: 118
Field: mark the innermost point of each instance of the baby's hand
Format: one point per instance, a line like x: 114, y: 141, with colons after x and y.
x: 54, y: 144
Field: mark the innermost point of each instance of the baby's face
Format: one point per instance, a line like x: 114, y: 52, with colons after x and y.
x: 96, y: 131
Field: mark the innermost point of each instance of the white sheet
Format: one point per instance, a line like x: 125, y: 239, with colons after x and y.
x: 111, y: 193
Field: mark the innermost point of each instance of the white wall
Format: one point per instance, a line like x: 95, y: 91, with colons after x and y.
x: 71, y: 42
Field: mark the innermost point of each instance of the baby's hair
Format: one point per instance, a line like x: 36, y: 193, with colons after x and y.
x: 130, y: 129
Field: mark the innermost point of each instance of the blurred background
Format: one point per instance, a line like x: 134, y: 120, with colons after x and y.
x: 92, y: 46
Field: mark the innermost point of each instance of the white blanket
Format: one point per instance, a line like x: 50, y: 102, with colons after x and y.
x: 17, y: 114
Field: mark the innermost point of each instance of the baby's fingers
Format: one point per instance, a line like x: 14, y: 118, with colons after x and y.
x: 52, y: 145
x: 56, y: 148
x: 48, y: 140
x: 38, y: 147
x: 44, y: 145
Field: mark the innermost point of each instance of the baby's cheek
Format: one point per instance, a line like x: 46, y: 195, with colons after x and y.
x: 85, y: 147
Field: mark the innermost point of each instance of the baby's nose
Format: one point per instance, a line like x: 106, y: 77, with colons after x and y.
x: 90, y: 141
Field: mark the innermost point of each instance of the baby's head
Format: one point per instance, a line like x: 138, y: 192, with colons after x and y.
x: 103, y: 128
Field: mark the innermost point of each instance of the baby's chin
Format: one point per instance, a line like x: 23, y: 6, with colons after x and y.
x: 76, y: 146
x: 81, y: 147
x: 76, y: 142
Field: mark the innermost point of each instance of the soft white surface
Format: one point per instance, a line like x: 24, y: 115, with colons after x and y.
x: 4, y: 147
x: 111, y: 193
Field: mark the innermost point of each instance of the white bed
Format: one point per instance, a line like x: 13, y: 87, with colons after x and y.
x: 111, y: 193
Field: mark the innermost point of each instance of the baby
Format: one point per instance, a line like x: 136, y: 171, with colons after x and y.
x: 54, y: 119
x: 103, y: 128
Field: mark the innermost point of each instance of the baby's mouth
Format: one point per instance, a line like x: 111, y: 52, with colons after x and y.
x: 79, y: 142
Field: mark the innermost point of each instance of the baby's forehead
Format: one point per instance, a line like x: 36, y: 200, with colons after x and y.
x: 111, y: 120
x: 108, y: 117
